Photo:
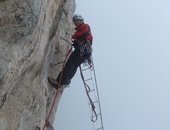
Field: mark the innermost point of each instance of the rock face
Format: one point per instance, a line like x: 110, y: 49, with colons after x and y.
x: 31, y: 46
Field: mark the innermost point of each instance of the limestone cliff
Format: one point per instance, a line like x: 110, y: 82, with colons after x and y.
x: 31, y: 45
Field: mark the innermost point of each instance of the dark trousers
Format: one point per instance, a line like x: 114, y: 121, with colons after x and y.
x: 70, y: 68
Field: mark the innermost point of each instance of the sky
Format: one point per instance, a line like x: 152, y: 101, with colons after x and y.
x: 131, y: 53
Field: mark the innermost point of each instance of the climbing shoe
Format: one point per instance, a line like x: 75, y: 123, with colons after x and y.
x: 67, y: 83
x: 53, y: 82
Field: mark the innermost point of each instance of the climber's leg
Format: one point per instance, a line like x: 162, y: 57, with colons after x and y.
x: 68, y: 68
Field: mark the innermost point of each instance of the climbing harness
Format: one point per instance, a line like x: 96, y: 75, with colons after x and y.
x: 85, y: 47
x: 57, y: 92
x: 88, y: 76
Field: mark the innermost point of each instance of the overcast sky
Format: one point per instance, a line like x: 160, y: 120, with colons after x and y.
x: 132, y: 62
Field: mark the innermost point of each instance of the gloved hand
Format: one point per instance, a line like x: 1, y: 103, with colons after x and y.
x: 75, y: 43
x: 73, y: 39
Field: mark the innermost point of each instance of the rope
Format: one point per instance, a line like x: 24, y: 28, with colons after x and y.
x: 57, y: 93
x: 87, y: 88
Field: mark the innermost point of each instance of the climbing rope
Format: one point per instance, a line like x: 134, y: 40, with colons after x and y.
x: 57, y: 93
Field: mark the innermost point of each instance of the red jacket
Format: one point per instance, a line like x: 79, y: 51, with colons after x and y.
x: 83, y: 31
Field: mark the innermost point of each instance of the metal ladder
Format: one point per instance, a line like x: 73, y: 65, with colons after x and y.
x: 88, y: 75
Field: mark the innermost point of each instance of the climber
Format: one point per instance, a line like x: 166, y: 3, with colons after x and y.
x: 82, y: 42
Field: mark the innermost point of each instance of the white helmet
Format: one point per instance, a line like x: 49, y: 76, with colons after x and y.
x: 77, y: 17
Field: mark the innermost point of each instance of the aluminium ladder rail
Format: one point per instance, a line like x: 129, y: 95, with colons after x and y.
x: 90, y: 82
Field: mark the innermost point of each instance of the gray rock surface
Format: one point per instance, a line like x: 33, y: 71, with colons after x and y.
x: 31, y: 46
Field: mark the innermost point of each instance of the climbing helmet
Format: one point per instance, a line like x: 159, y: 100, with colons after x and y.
x: 77, y: 17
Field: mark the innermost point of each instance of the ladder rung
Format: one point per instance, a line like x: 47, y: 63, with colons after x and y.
x: 85, y: 69
x: 85, y: 64
x: 94, y: 102
x: 92, y: 90
x: 99, y: 128
x: 95, y: 115
x: 88, y: 79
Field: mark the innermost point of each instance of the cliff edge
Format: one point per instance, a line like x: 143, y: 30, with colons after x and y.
x: 31, y: 49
